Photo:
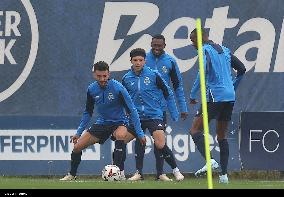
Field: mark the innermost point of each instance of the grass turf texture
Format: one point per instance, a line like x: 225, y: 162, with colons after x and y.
x: 149, y: 183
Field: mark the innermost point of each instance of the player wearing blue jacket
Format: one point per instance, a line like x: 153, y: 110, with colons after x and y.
x: 146, y: 87
x: 113, y: 103
x: 220, y: 93
x: 157, y: 59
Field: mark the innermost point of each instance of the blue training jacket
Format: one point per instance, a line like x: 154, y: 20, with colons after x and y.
x: 112, y: 105
x: 220, y: 86
x: 167, y: 66
x: 145, y: 90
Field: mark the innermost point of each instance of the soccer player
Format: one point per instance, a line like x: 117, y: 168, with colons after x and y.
x: 157, y: 59
x: 113, y: 104
x: 146, y: 87
x: 220, y: 93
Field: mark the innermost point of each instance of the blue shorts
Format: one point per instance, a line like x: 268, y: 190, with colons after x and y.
x: 103, y: 132
x: 221, y: 111
x: 152, y: 125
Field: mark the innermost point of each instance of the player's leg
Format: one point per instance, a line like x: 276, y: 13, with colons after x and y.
x: 158, y: 154
x: 139, y: 156
x: 130, y: 135
x: 162, y: 149
x: 139, y: 160
x: 221, y: 129
x: 196, y: 132
x: 159, y: 161
x: 156, y: 128
x: 84, y: 141
x: 122, y: 137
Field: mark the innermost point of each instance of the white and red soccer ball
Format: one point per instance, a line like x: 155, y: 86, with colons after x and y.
x: 111, y: 173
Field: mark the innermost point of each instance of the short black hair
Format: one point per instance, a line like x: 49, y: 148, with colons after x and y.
x: 204, y: 31
x: 137, y: 52
x: 159, y: 36
x: 101, y: 66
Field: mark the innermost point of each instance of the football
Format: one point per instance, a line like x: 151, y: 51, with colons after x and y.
x: 111, y: 173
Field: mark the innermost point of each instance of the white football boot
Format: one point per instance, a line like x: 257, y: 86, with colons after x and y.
x: 68, y: 177
x: 122, y: 176
x: 203, y: 170
x: 224, y: 179
x: 163, y: 177
x: 136, y: 177
x: 178, y: 175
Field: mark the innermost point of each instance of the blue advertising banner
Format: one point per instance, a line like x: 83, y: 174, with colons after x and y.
x: 261, y: 140
x: 47, y: 49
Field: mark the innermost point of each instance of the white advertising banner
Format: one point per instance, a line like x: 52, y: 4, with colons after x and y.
x: 41, y: 145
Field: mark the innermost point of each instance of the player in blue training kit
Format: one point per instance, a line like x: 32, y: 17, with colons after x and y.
x: 146, y: 87
x: 113, y: 104
x: 157, y: 59
x: 220, y: 93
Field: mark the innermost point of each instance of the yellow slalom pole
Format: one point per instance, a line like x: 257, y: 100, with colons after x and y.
x: 204, y: 103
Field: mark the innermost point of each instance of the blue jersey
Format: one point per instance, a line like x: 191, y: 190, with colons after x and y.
x: 145, y: 90
x: 169, y: 70
x: 220, y: 86
x: 112, y: 105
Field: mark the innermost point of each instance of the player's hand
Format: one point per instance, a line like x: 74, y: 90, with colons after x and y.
x: 193, y: 101
x: 183, y: 115
x: 74, y: 139
x: 143, y: 141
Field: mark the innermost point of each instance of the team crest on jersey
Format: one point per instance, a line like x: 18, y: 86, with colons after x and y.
x: 110, y: 96
x: 132, y: 83
x: 147, y: 81
x: 164, y: 69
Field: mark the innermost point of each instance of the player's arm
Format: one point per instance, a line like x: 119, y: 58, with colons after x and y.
x: 239, y: 67
x: 196, y: 85
x: 168, y: 95
x: 194, y: 90
x: 131, y: 109
x: 87, y: 114
x: 177, y: 82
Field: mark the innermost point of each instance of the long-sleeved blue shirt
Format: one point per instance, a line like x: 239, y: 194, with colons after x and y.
x: 112, y: 102
x: 218, y: 61
x: 167, y: 66
x: 145, y: 90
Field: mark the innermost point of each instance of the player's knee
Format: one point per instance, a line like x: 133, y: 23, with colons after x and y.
x: 159, y: 144
x: 194, y: 130
x: 120, y: 136
x: 128, y: 138
x: 221, y: 137
x: 76, y: 149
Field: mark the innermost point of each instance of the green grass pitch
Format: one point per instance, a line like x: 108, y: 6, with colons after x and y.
x: 148, y: 183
